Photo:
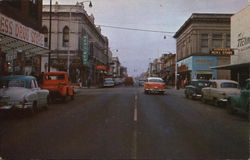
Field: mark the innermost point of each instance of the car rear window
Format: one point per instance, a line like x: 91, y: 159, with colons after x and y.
x: 155, y: 80
x: 229, y: 85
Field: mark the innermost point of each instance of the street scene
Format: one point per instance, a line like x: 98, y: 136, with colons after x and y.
x: 145, y: 79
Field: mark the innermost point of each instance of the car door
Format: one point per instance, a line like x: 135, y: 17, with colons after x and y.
x: 41, y: 95
x: 211, y: 90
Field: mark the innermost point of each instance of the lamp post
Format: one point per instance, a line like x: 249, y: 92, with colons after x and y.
x: 68, y: 58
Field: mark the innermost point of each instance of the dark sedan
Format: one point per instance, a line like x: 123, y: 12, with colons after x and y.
x: 194, y: 89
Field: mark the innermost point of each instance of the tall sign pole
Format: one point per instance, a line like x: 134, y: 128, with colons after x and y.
x: 50, y: 12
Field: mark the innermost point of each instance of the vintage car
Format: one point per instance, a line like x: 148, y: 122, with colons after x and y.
x: 22, y: 93
x: 58, y: 85
x: 194, y: 89
x: 154, y: 85
x: 240, y: 103
x: 141, y: 82
x: 108, y: 82
x: 219, y: 91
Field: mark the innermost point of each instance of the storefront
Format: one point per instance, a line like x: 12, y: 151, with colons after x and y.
x: 197, y: 67
x: 21, y: 48
x: 240, y: 43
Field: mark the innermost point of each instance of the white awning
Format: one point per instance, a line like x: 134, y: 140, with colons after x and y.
x: 10, y: 45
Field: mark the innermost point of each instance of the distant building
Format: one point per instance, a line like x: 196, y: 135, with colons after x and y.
x: 240, y: 43
x: 115, y: 67
x: 75, y: 38
x: 203, y: 41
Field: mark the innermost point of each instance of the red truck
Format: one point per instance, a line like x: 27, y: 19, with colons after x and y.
x: 58, y: 85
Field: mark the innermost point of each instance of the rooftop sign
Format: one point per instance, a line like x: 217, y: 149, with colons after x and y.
x: 222, y: 51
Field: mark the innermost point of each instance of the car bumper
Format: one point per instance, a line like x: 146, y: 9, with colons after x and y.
x: 108, y: 85
x: 224, y: 100
x: 155, y: 90
x: 197, y: 95
x: 15, y: 107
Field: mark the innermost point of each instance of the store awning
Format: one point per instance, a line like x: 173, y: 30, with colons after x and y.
x: 231, y: 66
x: 9, y: 45
x: 16, y: 37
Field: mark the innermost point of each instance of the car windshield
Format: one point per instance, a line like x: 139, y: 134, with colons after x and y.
x: 12, y: 83
x: 155, y: 80
x: 108, y: 79
x: 54, y: 77
x: 229, y: 85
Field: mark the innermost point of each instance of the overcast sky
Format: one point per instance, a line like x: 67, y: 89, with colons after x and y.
x: 136, y: 48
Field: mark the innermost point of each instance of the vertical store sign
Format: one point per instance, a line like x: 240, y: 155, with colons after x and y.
x: 85, y: 52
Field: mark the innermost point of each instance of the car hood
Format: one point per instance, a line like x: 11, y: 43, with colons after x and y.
x: 14, y: 93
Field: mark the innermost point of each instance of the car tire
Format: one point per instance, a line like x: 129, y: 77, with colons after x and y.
x: 33, y: 109
x: 216, y: 102
x: 230, y: 108
x: 203, y: 100
x: 72, y: 97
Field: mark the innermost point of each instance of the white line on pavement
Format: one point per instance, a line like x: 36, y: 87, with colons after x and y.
x: 135, y: 109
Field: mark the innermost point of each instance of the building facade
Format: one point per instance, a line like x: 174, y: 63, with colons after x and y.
x: 203, y: 41
x: 21, y: 40
x: 77, y: 45
x: 240, y: 43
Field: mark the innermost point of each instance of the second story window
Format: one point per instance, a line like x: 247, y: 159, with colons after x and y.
x: 228, y: 41
x: 66, y: 36
x: 204, y: 43
x: 14, y: 3
x: 217, y: 41
x: 33, y: 8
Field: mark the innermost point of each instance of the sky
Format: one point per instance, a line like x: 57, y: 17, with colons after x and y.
x: 137, y: 48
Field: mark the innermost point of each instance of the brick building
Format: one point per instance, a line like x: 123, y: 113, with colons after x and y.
x: 203, y: 41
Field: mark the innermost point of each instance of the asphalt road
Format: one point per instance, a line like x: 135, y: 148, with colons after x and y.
x: 124, y: 123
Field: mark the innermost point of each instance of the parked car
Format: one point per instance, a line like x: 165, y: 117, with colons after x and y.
x: 154, y: 85
x: 219, y: 91
x: 240, y: 103
x: 118, y: 81
x: 58, y: 85
x: 108, y: 82
x: 22, y: 93
x: 141, y: 82
x: 194, y: 89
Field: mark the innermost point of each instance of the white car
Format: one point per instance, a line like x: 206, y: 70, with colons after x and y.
x: 219, y: 91
x: 108, y: 82
x: 22, y: 93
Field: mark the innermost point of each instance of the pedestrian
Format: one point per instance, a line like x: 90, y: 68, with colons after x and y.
x: 80, y: 82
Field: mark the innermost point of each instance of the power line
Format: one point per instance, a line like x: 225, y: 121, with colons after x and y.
x: 136, y: 29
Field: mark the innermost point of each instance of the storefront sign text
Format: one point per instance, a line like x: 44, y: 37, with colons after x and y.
x: 16, y: 30
x: 222, y: 51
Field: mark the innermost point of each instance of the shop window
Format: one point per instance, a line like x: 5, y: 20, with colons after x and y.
x: 66, y: 36
x: 204, y: 43
x: 217, y: 41
x: 45, y: 32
